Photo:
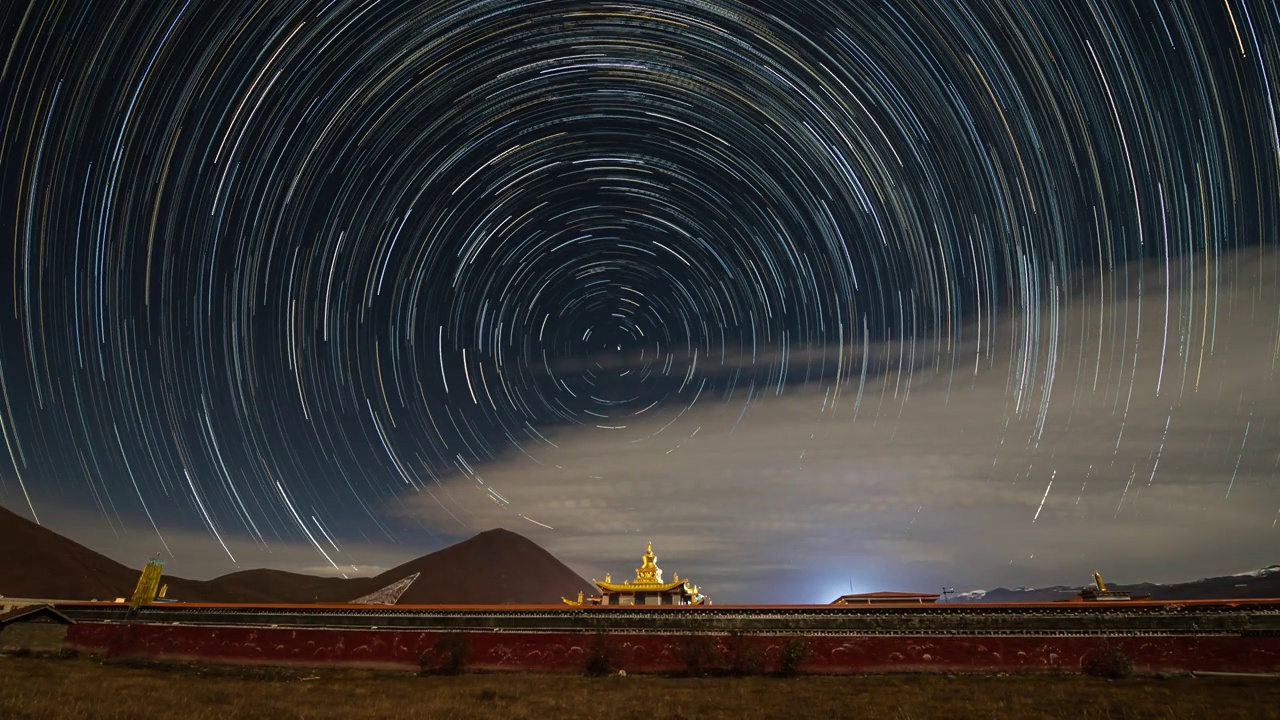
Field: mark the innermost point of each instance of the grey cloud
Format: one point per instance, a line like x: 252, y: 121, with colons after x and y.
x: 937, y: 476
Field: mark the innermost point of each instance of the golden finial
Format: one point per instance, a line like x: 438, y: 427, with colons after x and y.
x: 649, y: 572
x: 606, y: 578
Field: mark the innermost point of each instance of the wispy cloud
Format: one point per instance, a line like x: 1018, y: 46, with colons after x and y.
x: 1098, y: 428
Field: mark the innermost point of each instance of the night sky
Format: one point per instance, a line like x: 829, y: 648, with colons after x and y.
x: 890, y: 295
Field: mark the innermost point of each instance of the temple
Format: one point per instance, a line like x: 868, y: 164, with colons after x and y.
x: 647, y: 589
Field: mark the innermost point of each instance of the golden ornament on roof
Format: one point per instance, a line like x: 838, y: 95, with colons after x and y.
x: 649, y: 572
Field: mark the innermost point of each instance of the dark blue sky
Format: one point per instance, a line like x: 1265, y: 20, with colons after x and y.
x: 337, y: 283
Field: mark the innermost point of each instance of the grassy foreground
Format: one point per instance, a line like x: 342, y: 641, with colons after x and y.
x: 38, y: 688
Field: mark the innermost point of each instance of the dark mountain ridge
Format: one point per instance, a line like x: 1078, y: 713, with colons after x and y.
x: 495, y: 567
x: 40, y: 563
x: 1262, y: 583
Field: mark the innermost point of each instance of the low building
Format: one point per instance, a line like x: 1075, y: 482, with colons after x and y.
x: 9, y: 604
x: 881, y: 598
x: 648, y: 588
x: 36, y: 628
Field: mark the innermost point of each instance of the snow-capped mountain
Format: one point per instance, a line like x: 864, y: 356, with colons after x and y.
x: 1262, y: 582
x: 1260, y: 572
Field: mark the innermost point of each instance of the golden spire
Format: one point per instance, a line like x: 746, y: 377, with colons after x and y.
x: 649, y: 572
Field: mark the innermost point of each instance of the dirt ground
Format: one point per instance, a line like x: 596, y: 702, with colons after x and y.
x: 38, y: 688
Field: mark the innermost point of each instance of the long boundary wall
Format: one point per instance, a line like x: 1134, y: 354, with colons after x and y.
x: 500, y: 650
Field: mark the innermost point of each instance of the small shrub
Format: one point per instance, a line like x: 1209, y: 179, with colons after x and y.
x: 1109, y: 662
x: 600, y: 657
x: 448, y: 656
x: 794, y: 653
x: 745, y: 659
x: 699, y: 653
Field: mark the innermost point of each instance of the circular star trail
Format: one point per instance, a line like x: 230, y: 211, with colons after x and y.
x: 276, y: 266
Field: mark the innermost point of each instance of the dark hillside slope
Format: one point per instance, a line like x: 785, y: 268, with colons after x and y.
x: 40, y: 563
x: 496, y: 567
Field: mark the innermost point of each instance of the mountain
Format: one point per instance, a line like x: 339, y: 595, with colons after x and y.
x: 264, y: 586
x: 38, y: 562
x: 1261, y: 583
x: 496, y: 567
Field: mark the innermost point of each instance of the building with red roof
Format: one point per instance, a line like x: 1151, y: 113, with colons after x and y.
x: 877, y: 598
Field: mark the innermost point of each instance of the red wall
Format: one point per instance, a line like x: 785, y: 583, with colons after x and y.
x: 564, y: 652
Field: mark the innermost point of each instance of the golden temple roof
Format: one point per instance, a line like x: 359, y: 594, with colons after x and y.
x: 648, y: 579
x: 629, y: 586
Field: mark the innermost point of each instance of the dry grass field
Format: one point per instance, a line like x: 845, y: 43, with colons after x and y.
x: 38, y: 688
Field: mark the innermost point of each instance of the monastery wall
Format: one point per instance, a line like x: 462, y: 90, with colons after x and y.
x: 561, y: 652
